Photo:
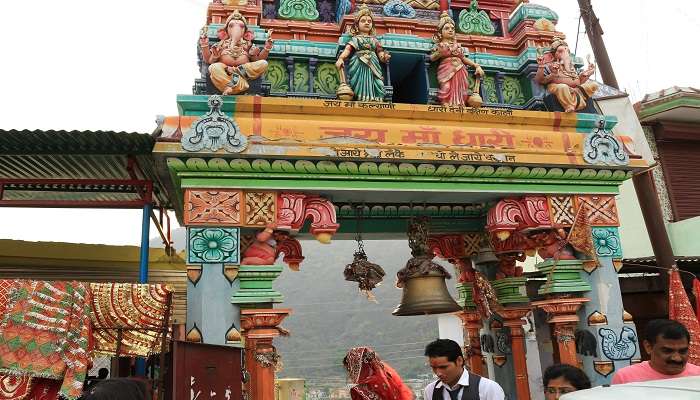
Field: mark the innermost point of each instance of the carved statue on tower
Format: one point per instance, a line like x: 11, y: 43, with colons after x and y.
x: 365, y: 52
x: 234, y: 61
x: 452, y: 74
x: 557, y: 72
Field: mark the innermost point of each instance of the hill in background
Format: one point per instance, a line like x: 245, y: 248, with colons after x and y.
x: 330, y: 316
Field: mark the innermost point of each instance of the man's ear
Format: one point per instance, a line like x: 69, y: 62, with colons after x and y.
x: 460, y: 361
x: 648, y: 347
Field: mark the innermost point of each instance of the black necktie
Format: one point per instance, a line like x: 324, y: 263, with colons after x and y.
x: 454, y: 393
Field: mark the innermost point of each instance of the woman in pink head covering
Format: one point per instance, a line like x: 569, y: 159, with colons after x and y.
x: 374, y: 379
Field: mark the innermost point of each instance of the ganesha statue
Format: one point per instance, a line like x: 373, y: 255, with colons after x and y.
x: 557, y: 73
x: 234, y: 61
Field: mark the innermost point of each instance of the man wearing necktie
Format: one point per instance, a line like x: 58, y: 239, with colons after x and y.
x: 454, y: 381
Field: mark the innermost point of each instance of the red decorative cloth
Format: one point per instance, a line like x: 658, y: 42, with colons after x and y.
x: 679, y: 309
x: 374, y: 379
x: 138, y: 310
x: 696, y: 292
x: 45, y: 333
x: 14, y: 387
x: 44, y: 389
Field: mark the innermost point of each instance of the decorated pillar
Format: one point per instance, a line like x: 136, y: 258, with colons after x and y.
x: 607, y: 335
x: 472, y: 324
x: 513, y: 320
x: 562, y: 315
x: 212, y: 266
x: 458, y: 249
x: 260, y: 327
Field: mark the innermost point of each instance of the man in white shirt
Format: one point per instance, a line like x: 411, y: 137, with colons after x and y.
x: 454, y: 381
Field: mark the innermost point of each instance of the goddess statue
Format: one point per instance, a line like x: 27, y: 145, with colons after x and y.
x: 234, y: 61
x: 366, y: 76
x: 452, y: 74
x: 556, y: 71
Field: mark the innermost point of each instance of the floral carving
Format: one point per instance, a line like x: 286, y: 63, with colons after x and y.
x: 600, y: 210
x: 213, y: 245
x: 301, y: 77
x: 268, y: 359
x: 602, y: 147
x: 327, y: 79
x: 259, y: 208
x: 473, y: 21
x: 214, y: 130
x: 291, y: 248
x: 212, y: 207
x: 512, y: 91
x: 277, y: 76
x: 607, y: 242
x: 397, y: 8
x: 562, y: 210
x: 509, y: 215
x: 294, y: 209
x: 298, y: 10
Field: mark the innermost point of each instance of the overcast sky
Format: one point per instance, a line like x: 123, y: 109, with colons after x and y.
x: 92, y: 65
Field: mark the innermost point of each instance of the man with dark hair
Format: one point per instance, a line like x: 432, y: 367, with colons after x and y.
x: 667, y: 343
x: 454, y: 381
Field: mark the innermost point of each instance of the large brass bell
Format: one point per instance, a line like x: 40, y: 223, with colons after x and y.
x: 426, y: 294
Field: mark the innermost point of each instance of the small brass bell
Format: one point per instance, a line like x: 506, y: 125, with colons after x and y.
x: 424, y: 295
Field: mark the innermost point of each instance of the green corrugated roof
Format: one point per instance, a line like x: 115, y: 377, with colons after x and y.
x: 74, y: 142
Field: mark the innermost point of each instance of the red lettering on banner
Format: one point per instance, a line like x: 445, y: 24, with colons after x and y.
x: 375, y: 135
x: 424, y: 134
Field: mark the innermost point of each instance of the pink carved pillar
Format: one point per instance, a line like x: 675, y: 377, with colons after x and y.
x: 513, y: 319
x: 260, y: 327
x: 471, y: 323
x: 562, y: 315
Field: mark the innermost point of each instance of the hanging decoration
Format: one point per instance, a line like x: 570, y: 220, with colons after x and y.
x: 129, y: 316
x: 368, y: 275
x: 422, y: 280
x: 679, y: 309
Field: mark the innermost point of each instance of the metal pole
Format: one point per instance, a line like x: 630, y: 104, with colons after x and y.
x: 143, y: 268
x: 145, y: 228
x: 643, y: 182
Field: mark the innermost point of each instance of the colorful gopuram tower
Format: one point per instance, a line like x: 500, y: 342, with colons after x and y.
x: 473, y: 114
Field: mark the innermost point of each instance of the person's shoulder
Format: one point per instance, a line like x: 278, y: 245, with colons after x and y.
x: 432, y: 384
x: 692, y: 369
x: 486, y: 381
x: 490, y: 389
x: 428, y: 391
x: 623, y: 375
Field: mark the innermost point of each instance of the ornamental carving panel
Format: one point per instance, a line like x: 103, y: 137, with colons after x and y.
x: 538, y: 211
x: 607, y: 242
x: 600, y: 210
x: 259, y: 208
x: 530, y: 212
x: 472, y: 243
x: 212, y: 207
x: 213, y: 245
x: 290, y: 211
x: 295, y: 208
x: 561, y: 209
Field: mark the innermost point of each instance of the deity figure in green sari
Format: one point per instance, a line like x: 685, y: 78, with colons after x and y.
x: 366, y: 76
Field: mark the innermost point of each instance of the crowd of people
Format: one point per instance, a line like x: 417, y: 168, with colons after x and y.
x: 667, y: 343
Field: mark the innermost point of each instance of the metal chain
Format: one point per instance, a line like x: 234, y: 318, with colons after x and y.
x: 359, y: 210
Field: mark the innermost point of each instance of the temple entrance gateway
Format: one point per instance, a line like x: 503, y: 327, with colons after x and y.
x: 487, y: 208
x: 483, y: 188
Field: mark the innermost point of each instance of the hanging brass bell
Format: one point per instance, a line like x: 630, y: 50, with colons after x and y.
x: 426, y: 294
